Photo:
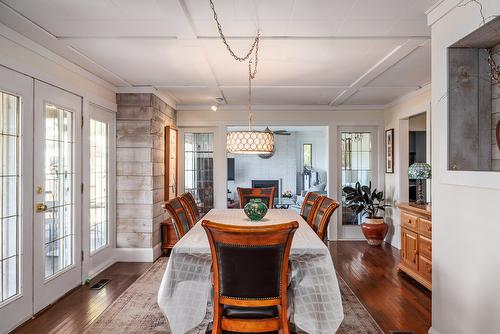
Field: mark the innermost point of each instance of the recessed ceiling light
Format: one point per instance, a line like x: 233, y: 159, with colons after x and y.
x: 214, y: 107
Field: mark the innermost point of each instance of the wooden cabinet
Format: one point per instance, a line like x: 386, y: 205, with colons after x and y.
x: 416, y: 242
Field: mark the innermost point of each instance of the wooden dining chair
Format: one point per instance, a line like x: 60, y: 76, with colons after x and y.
x: 265, y: 194
x: 320, y: 215
x: 182, y: 219
x: 195, y: 211
x: 250, y: 266
x: 308, y: 204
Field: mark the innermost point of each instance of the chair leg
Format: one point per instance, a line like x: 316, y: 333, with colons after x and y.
x: 216, y: 326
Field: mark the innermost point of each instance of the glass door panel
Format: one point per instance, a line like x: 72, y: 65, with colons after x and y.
x: 356, y: 167
x: 9, y: 201
x: 198, y: 168
x: 59, y: 173
x: 99, y: 199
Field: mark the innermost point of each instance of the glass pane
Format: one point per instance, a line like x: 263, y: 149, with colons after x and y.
x: 9, y: 197
x: 98, y: 185
x: 58, y: 189
x: 356, y: 166
x: 199, y: 173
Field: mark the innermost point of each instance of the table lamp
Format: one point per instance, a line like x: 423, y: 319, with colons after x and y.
x: 420, y: 171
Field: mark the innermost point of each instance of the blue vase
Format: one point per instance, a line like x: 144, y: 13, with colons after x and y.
x: 255, y: 209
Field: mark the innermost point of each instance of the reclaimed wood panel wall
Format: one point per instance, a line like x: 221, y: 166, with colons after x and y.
x: 495, y: 150
x: 140, y: 169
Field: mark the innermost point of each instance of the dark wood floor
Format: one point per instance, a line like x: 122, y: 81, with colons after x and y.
x: 395, y: 300
x: 79, y: 308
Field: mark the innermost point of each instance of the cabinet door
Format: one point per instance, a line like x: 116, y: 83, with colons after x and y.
x: 410, y: 249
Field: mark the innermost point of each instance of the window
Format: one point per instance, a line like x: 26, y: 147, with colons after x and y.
x: 356, y: 166
x: 9, y: 202
x: 198, y: 168
x: 99, y: 213
x: 307, y: 154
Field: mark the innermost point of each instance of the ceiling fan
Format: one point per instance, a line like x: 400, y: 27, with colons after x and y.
x: 276, y: 132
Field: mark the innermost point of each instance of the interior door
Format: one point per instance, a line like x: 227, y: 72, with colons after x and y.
x: 57, y: 196
x: 16, y: 200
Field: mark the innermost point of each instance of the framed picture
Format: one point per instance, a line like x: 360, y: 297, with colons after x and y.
x: 389, y: 151
x: 171, y: 142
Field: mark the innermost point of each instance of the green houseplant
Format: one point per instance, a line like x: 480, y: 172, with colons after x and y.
x: 370, y: 204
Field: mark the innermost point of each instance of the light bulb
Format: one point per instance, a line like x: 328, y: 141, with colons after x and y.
x: 214, y: 107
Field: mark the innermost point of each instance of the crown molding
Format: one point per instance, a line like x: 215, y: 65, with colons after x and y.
x: 167, y: 98
x: 280, y: 108
x: 424, y: 89
x: 440, y: 9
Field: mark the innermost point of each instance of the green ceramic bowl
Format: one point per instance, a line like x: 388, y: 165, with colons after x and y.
x: 255, y: 209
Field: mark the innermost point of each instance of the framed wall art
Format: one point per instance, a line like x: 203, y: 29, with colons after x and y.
x: 389, y: 151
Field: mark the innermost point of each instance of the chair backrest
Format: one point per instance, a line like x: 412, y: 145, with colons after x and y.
x: 321, y: 214
x: 250, y: 263
x: 308, y: 204
x: 265, y: 194
x: 178, y: 209
x: 192, y: 205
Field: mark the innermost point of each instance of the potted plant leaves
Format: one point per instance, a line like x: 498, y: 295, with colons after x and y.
x: 370, y: 205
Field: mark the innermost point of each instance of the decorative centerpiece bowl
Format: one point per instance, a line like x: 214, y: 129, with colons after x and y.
x: 255, y: 209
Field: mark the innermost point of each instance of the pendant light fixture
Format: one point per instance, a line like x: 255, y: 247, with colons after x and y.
x: 248, y: 141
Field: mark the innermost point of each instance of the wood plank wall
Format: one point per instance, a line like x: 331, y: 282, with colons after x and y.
x: 495, y: 154
x: 140, y: 169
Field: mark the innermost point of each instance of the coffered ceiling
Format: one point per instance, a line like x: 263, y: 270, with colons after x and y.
x: 334, y: 53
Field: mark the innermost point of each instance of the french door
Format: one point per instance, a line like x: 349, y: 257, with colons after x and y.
x: 16, y: 198
x: 358, y: 163
x: 57, y: 194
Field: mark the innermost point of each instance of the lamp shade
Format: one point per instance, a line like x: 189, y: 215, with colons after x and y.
x: 250, y: 142
x: 419, y: 171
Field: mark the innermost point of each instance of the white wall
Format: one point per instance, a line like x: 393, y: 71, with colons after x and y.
x: 318, y: 138
x: 331, y: 119
x: 396, y: 184
x: 466, y: 226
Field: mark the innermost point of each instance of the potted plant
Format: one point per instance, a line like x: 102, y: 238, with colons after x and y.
x: 362, y: 200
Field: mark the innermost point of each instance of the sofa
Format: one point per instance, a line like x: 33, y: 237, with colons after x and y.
x: 319, y: 189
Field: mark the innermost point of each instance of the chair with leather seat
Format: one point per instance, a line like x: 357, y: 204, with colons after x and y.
x: 195, y: 211
x: 265, y: 194
x: 308, y: 204
x: 322, y: 211
x: 250, y: 268
x: 182, y: 219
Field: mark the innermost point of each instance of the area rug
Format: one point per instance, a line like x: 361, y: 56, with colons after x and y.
x: 136, y: 310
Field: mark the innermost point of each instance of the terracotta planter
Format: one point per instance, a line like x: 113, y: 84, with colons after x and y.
x: 374, y: 230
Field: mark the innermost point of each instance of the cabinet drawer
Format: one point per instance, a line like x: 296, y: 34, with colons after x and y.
x: 409, y: 221
x: 425, y: 227
x: 425, y: 247
x: 425, y: 268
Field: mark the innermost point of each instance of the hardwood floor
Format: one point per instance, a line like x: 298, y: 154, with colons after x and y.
x: 80, y: 307
x: 395, y: 300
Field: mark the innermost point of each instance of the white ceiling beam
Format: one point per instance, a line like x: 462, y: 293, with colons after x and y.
x: 279, y: 107
x: 380, y: 67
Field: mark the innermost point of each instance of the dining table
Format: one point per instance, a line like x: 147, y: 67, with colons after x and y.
x: 186, y: 291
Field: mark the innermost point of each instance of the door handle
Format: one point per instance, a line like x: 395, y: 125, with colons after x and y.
x: 41, y: 207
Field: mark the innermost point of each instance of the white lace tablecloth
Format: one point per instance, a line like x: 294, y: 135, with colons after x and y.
x: 185, y: 293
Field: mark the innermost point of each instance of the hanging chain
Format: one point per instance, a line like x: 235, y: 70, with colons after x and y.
x: 254, y: 49
x: 495, y: 69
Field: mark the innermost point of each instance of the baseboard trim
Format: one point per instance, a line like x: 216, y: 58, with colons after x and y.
x: 135, y: 254
x: 433, y: 331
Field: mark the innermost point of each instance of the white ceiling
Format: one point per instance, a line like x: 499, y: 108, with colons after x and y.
x: 313, y: 52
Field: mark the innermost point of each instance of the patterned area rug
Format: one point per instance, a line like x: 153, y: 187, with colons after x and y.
x: 136, y: 310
